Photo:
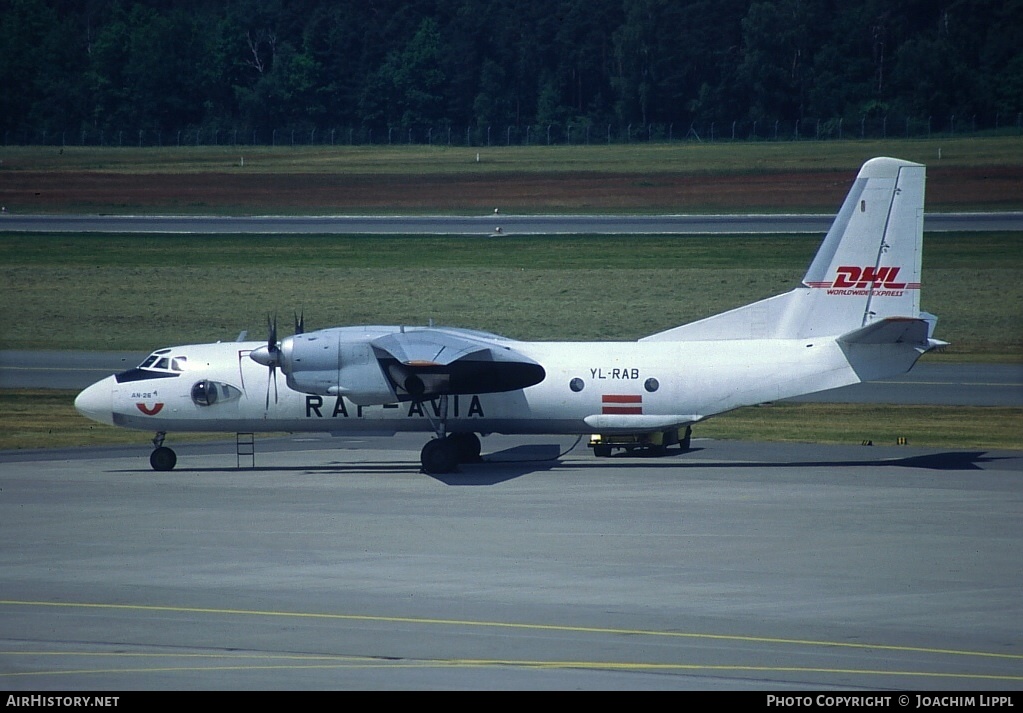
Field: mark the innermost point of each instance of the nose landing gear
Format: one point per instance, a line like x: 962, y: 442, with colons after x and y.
x: 162, y: 457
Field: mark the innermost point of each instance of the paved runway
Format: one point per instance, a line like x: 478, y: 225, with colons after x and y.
x: 338, y: 565
x: 927, y: 383
x: 483, y: 224
x: 936, y: 384
x: 61, y: 369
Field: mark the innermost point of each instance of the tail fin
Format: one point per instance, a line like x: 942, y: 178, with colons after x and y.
x: 867, y: 268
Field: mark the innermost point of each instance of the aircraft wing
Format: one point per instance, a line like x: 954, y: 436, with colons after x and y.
x: 422, y: 363
x: 430, y: 346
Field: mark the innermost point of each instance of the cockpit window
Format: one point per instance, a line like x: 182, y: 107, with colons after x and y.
x: 158, y: 361
x: 158, y: 365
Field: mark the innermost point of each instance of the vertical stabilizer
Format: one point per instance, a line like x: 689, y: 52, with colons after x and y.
x: 868, y: 266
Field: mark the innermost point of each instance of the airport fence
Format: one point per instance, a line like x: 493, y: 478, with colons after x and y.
x: 547, y: 134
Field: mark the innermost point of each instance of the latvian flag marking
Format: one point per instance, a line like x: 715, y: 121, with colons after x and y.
x: 621, y: 404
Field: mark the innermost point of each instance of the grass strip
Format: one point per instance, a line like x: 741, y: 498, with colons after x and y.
x: 100, y: 292
x: 692, y: 158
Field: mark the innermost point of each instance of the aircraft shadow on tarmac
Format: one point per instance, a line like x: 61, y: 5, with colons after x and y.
x: 502, y: 466
x: 515, y: 462
x: 491, y: 469
x: 954, y: 460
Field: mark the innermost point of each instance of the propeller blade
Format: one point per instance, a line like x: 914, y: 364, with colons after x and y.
x: 271, y: 329
x: 272, y: 356
x: 267, y: 407
x: 273, y: 378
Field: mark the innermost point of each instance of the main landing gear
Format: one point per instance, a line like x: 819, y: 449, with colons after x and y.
x: 443, y: 454
x: 162, y: 457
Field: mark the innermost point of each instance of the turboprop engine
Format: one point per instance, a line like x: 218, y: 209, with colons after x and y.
x: 324, y: 363
x: 380, y: 365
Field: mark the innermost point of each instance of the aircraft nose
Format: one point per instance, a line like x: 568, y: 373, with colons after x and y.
x: 97, y: 401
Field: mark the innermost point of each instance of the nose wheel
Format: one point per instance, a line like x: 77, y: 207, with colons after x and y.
x: 162, y: 457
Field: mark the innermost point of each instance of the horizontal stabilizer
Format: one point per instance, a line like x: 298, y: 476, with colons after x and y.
x: 888, y: 347
x: 891, y: 330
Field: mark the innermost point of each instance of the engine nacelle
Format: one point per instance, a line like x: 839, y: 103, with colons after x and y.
x: 322, y: 363
x: 384, y: 365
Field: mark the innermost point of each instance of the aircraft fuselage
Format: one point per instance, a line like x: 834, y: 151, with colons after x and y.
x: 590, y: 387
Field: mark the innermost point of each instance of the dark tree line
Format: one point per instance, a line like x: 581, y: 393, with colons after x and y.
x: 374, y: 65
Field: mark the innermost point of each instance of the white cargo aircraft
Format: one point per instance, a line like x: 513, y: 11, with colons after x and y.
x: 856, y: 317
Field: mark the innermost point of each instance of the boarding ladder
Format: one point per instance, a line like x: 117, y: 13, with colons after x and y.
x: 245, y: 447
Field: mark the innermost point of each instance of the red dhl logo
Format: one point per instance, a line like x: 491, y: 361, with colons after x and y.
x: 621, y: 404
x: 853, y: 277
x: 860, y: 277
x: 149, y: 411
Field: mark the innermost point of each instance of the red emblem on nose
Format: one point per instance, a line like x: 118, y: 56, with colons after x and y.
x: 149, y: 411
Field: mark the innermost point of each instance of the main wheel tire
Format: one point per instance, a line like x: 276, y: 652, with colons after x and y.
x: 468, y: 447
x: 439, y: 456
x: 163, y: 458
